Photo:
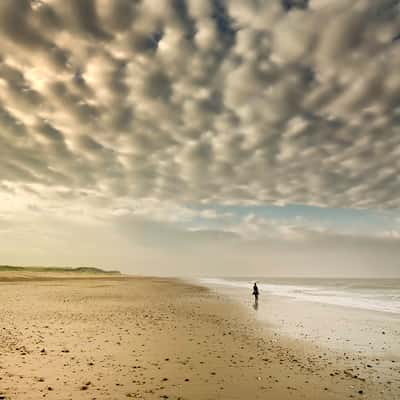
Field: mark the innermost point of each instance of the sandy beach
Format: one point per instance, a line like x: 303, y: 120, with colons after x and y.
x: 151, y: 338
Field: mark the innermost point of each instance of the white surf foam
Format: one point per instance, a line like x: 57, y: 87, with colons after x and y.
x: 376, y: 299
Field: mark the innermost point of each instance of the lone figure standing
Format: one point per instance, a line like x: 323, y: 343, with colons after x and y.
x: 255, y: 292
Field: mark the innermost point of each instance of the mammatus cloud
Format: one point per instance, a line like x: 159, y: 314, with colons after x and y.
x: 213, y: 101
x: 123, y: 114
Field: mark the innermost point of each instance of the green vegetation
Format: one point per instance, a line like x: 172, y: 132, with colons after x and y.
x: 83, y: 270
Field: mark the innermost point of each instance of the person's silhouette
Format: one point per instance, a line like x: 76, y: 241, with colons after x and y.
x: 255, y: 294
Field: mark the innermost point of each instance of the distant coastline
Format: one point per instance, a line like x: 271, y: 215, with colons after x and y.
x: 77, y: 270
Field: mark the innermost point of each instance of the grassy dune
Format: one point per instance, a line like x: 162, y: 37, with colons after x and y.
x: 79, y: 270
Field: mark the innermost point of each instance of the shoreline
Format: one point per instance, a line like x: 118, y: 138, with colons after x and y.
x: 154, y: 338
x: 359, y: 340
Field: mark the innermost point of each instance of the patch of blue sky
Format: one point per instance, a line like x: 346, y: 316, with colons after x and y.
x: 366, y: 221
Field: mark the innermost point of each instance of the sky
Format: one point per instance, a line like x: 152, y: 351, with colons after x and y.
x: 212, y: 137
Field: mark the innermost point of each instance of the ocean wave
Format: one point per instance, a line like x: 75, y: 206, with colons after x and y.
x: 373, y: 296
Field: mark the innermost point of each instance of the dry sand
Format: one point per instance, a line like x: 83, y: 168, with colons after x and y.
x: 148, y: 338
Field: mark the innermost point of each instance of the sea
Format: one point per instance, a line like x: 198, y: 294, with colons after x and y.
x: 379, y: 295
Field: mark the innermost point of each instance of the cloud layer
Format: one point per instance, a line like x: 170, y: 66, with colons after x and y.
x: 132, y: 122
x: 202, y: 101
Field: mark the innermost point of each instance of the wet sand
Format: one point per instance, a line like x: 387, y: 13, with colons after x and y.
x: 150, y: 338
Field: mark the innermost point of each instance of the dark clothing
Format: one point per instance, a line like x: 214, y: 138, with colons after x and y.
x: 255, y: 294
x: 255, y: 291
